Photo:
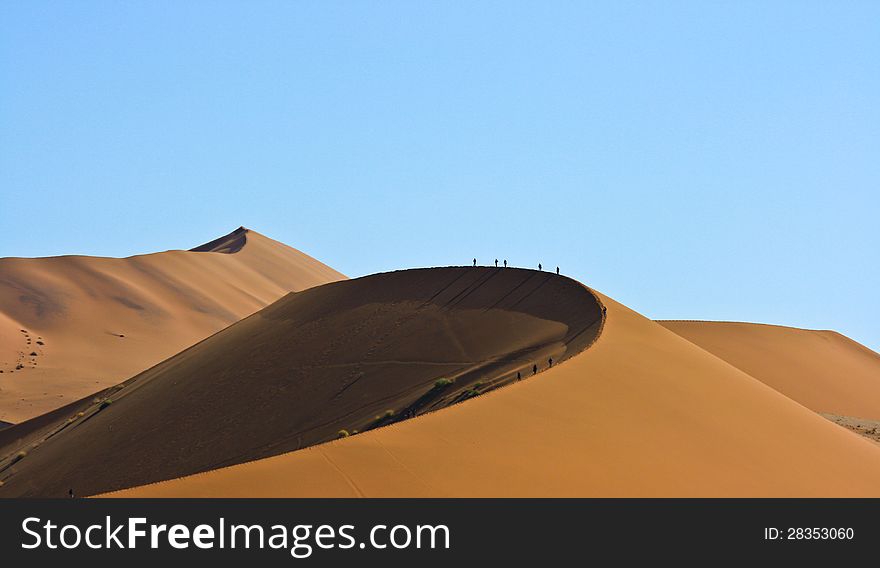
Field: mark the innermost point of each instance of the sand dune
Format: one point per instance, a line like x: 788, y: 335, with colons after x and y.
x: 72, y: 325
x: 351, y: 355
x: 642, y: 412
x: 823, y: 370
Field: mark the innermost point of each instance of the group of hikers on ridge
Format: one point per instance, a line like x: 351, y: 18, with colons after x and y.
x: 540, y: 267
x: 535, y: 369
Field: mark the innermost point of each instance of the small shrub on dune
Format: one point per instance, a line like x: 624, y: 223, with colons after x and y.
x: 105, y: 403
x: 343, y: 434
x: 19, y: 456
x: 387, y: 415
x: 443, y: 383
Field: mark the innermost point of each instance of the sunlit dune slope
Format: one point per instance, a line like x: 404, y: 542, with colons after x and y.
x: 351, y: 355
x: 642, y: 412
x: 822, y: 370
x: 72, y: 325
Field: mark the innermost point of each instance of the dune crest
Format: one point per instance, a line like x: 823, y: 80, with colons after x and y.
x: 823, y: 370
x: 642, y: 412
x: 344, y: 357
x: 72, y: 325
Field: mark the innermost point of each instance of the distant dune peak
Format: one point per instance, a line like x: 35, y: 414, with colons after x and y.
x: 104, y: 319
x: 227, y: 244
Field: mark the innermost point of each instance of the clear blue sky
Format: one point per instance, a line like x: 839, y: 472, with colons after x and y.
x: 705, y: 160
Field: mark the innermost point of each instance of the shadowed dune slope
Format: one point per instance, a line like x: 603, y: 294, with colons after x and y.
x: 823, y: 370
x: 72, y: 325
x: 642, y: 412
x: 350, y: 355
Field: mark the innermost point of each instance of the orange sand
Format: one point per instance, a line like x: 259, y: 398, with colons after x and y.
x: 643, y: 412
